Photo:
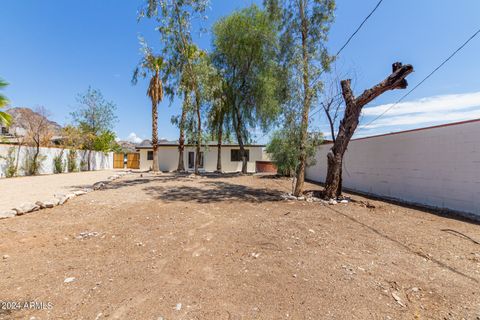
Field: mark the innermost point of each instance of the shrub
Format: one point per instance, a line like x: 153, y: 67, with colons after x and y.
x: 32, y: 163
x: 72, y: 161
x: 10, y: 163
x: 285, y: 152
x: 58, y: 163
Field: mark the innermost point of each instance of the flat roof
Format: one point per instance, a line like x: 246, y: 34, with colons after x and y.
x: 203, y: 145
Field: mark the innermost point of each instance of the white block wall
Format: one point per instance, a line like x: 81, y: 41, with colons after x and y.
x: 99, y: 160
x: 437, y: 167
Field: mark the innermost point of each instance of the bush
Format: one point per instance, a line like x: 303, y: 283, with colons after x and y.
x: 58, y: 163
x: 72, y: 161
x: 285, y: 151
x: 33, y: 165
x: 83, y: 166
x: 10, y: 163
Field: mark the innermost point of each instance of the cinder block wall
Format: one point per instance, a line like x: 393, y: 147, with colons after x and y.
x: 436, y: 167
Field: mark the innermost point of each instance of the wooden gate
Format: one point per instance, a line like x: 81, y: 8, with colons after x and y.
x: 118, y: 161
x: 133, y: 160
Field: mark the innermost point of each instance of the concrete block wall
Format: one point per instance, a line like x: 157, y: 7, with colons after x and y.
x: 99, y: 160
x: 436, y: 167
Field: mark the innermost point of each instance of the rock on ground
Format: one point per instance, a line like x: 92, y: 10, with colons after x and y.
x: 7, y: 214
x: 26, y: 208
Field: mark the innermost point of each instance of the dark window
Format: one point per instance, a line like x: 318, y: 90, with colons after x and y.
x: 235, y: 155
x: 150, y: 155
x: 4, y: 130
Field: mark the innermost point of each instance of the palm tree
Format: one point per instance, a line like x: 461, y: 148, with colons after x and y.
x: 5, y: 118
x: 151, y: 65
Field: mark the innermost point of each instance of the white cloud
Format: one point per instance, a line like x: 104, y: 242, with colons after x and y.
x: 425, y: 111
x: 132, y: 137
x: 444, y: 103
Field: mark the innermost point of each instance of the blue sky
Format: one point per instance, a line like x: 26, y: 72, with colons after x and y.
x: 52, y: 50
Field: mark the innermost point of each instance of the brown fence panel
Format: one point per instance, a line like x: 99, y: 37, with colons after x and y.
x: 133, y: 160
x: 118, y: 160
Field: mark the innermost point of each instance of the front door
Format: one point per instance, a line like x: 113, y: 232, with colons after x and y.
x: 191, y: 160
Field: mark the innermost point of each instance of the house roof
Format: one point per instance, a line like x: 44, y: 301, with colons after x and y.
x: 147, y: 144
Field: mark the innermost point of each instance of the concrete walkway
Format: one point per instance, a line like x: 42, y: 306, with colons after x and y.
x: 15, y: 191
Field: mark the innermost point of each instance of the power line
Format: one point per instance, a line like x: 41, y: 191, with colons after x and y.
x: 350, y: 39
x: 359, y: 27
x: 343, y: 47
x: 423, y: 80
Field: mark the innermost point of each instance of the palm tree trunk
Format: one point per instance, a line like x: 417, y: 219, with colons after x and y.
x: 199, y: 131
x: 155, y: 136
x: 306, y: 104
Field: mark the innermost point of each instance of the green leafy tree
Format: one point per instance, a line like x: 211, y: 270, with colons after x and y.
x: 219, y: 121
x: 245, y: 50
x: 174, y: 19
x: 283, y: 147
x: 304, y: 26
x: 95, y: 118
x: 152, y: 65
x: 5, y: 118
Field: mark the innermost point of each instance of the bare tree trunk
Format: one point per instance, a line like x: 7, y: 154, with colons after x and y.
x: 219, y: 151
x: 89, y: 159
x: 35, y: 165
x: 238, y: 131
x: 333, y: 185
x: 199, y: 131
x: 181, y: 141
x: 17, y: 160
x: 306, y: 103
x: 155, y: 136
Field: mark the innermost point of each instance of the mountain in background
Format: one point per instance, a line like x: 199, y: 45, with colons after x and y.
x: 19, y: 116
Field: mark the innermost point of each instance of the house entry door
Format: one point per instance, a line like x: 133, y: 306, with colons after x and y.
x: 191, y: 160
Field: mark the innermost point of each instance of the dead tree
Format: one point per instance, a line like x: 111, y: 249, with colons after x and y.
x: 350, y: 121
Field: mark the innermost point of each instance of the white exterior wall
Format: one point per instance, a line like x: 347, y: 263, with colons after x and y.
x: 99, y: 160
x: 436, y: 167
x: 168, y: 158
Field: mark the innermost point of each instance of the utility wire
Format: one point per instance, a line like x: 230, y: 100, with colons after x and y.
x: 423, y: 80
x: 359, y: 27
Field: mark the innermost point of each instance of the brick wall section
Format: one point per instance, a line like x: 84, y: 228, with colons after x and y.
x: 265, y: 167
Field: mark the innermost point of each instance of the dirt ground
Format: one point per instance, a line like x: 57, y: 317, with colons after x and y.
x: 175, y: 247
x: 19, y: 190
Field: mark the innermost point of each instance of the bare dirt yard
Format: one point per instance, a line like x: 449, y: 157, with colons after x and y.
x: 176, y: 247
x: 18, y: 190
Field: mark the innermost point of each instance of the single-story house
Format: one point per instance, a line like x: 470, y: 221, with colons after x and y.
x: 168, y: 156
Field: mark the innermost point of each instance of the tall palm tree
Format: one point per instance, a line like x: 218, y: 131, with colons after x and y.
x: 151, y: 65
x: 5, y: 118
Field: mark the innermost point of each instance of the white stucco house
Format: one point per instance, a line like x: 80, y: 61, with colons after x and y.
x: 168, y: 156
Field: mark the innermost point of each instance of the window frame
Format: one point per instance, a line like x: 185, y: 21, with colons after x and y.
x: 237, y: 152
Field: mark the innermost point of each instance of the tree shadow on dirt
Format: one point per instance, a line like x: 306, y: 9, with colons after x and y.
x: 214, y: 191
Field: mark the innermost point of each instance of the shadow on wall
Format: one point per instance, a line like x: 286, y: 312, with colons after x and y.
x: 214, y: 191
